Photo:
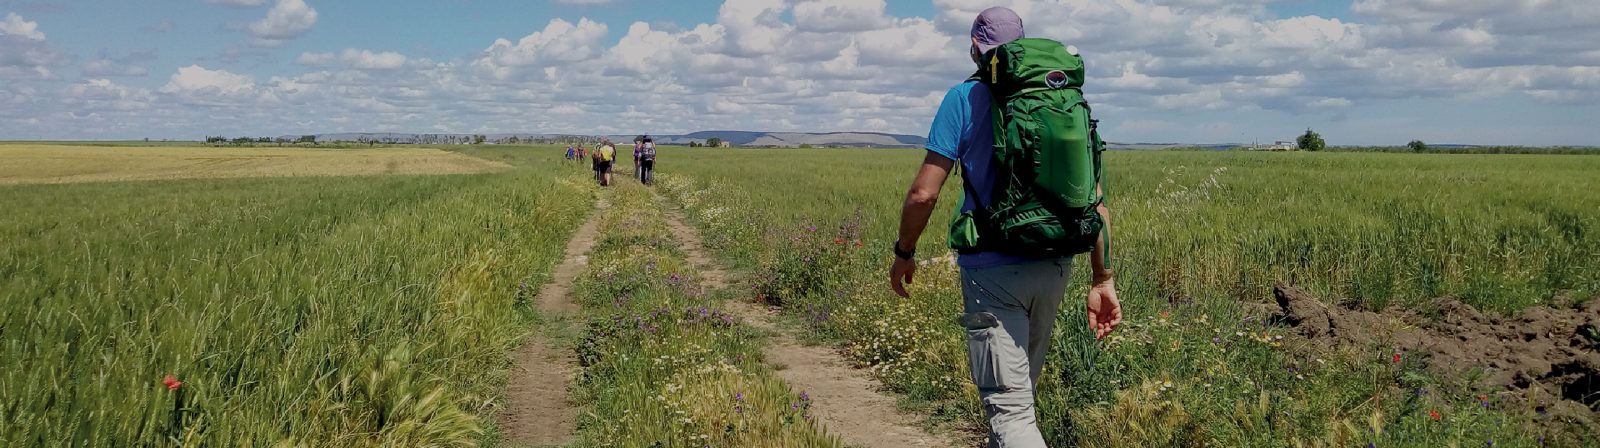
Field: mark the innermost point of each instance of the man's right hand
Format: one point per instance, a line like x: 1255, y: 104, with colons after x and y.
x: 900, y: 275
x: 1105, y: 312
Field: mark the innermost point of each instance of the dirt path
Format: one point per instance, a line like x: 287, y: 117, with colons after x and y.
x: 844, y: 398
x: 537, y: 411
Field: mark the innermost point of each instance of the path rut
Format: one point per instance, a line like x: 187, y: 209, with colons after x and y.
x: 537, y: 411
x: 843, y: 398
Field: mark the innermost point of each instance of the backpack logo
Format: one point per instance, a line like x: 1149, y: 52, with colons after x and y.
x: 1056, y: 79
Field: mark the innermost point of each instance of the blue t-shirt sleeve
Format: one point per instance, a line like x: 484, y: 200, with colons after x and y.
x: 944, y: 138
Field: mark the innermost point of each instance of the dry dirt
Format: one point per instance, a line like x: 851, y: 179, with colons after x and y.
x: 537, y: 411
x: 844, y: 399
x: 1548, y: 358
x: 55, y: 164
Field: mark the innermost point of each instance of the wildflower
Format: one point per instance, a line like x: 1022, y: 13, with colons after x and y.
x: 838, y: 241
x: 859, y: 244
x: 739, y: 396
x: 1395, y: 359
x: 804, y: 396
x: 171, y: 382
x: 1434, y: 414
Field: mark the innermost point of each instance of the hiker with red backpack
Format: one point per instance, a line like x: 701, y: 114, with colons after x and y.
x: 1030, y: 165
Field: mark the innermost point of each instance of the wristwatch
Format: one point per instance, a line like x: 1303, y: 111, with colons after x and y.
x: 904, y: 254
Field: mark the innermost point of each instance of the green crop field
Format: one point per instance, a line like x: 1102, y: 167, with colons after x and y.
x: 379, y: 310
x: 324, y: 310
x: 1201, y: 238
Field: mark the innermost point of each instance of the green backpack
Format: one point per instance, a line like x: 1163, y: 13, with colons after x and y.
x: 1047, y: 156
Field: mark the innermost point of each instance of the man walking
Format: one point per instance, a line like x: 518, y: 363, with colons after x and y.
x: 1011, y: 292
x: 608, y: 157
x: 647, y: 161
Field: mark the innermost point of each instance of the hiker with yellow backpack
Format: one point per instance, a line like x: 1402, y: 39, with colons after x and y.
x: 1030, y: 165
x: 605, y: 156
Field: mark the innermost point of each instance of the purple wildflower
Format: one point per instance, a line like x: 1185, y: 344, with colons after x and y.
x: 739, y: 396
x: 804, y: 396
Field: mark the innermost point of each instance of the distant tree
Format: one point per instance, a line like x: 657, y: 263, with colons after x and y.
x: 714, y: 142
x: 1417, y: 146
x: 241, y: 141
x: 308, y: 139
x: 478, y: 139
x: 694, y: 144
x: 1311, y: 141
x: 805, y: 146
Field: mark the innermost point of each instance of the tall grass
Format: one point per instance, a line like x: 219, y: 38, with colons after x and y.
x: 1200, y: 238
x: 317, y: 311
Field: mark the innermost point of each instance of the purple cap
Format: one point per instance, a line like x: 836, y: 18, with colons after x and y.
x: 995, y: 27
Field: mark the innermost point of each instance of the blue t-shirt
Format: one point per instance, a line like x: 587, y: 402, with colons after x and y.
x: 962, y: 131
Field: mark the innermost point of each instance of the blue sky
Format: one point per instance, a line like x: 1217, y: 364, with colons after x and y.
x: 1361, y: 72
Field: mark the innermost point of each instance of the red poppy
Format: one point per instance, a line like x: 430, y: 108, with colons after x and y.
x: 1434, y: 414
x: 1165, y: 313
x: 1395, y: 359
x: 171, y: 382
x: 859, y: 244
x: 838, y: 241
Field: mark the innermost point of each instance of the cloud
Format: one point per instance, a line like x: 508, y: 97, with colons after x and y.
x: 354, y: 58
x: 163, y: 26
x: 197, y: 80
x: 238, y: 3
x: 839, y: 15
x: 24, y: 53
x: 561, y: 42
x: 826, y: 65
x: 126, y: 65
x: 15, y: 26
x: 286, y: 20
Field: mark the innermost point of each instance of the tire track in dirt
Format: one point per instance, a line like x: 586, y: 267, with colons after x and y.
x: 843, y: 398
x: 537, y: 411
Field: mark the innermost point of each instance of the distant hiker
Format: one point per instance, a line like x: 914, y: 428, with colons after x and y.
x: 571, y: 153
x: 647, y: 161
x: 608, y: 157
x: 1030, y: 205
x: 638, y: 143
x: 594, y: 157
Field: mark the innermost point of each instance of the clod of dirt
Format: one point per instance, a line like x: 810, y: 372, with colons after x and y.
x: 1553, y: 350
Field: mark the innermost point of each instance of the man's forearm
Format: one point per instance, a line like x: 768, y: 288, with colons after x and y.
x: 1102, y: 247
x: 914, y: 219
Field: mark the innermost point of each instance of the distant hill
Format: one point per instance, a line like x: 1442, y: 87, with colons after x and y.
x: 736, y: 138
x: 794, y: 139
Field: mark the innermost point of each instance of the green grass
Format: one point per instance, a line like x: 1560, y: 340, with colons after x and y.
x: 663, y: 363
x: 323, y: 311
x: 1200, y: 238
x: 379, y: 310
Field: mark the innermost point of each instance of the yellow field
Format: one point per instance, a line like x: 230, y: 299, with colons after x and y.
x: 44, y: 164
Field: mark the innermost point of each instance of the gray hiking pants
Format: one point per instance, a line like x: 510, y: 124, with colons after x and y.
x: 1010, y: 312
